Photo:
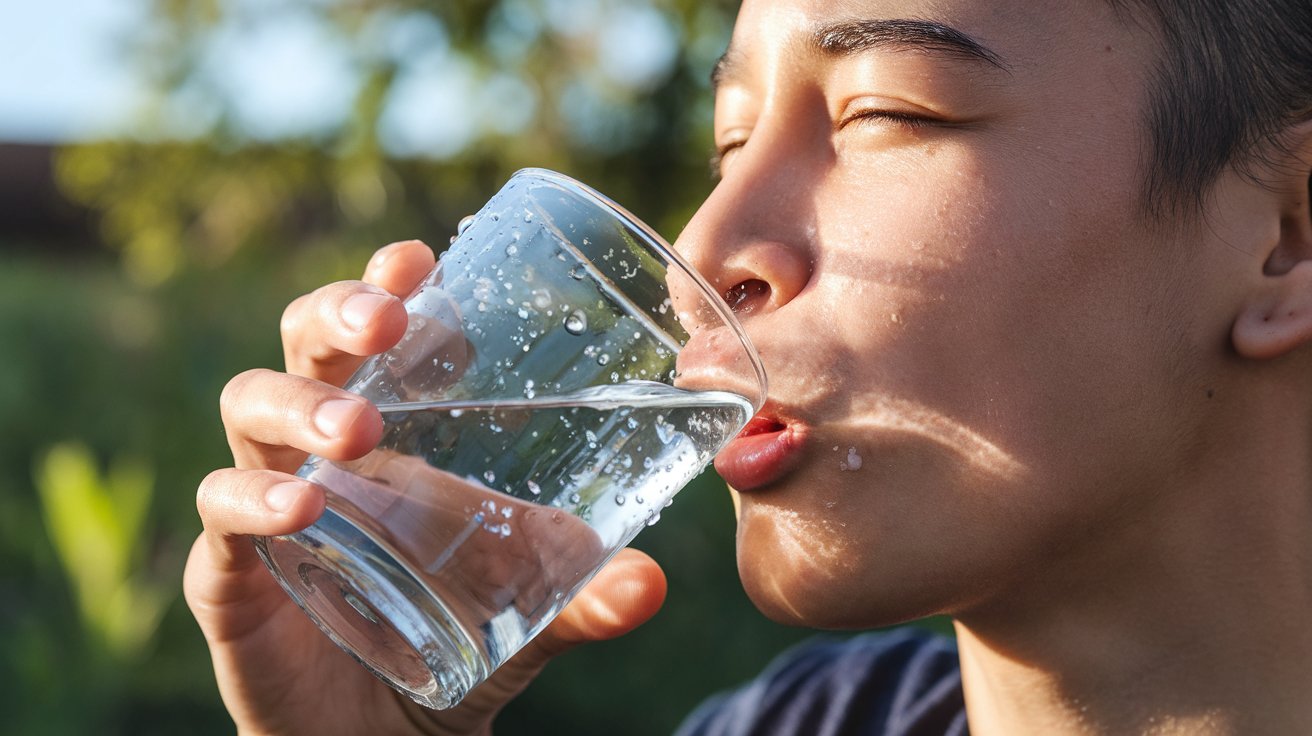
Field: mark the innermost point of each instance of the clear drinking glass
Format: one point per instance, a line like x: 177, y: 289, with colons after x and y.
x: 563, y: 375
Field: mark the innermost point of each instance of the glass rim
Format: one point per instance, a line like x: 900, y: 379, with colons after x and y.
x: 657, y: 243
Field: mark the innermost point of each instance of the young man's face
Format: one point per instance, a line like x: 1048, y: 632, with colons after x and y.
x: 985, y: 357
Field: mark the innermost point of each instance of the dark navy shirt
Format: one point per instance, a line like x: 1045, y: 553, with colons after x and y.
x: 900, y: 683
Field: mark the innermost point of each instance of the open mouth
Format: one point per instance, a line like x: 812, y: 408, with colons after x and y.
x: 763, y: 453
x: 762, y: 425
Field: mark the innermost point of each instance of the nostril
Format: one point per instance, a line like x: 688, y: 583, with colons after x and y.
x: 747, y: 296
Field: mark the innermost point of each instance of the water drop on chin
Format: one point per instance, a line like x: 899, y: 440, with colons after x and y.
x: 576, y: 322
x: 853, y: 461
x: 465, y: 222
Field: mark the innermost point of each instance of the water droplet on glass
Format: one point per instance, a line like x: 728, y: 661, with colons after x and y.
x: 853, y: 461
x: 619, y: 499
x: 465, y: 222
x: 638, y: 500
x: 528, y: 217
x: 651, y: 520
x: 523, y: 313
x: 457, y: 413
x: 516, y: 235
x: 490, y: 477
x: 529, y: 392
x: 576, y: 322
x: 541, y: 299
x: 664, y: 430
x: 575, y: 498
x: 578, y: 272
x: 536, y: 490
x: 647, y: 463
x: 603, y: 359
x: 511, y: 249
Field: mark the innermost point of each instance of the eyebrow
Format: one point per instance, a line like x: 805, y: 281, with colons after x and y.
x: 850, y: 37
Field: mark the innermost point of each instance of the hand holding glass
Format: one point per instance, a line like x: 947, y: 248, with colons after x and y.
x: 563, y: 375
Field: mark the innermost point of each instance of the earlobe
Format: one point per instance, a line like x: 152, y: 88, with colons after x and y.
x: 1280, y: 323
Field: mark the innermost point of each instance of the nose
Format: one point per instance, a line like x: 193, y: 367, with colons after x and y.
x: 753, y: 239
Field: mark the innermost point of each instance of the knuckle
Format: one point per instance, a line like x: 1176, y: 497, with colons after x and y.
x: 232, y: 399
x: 293, y: 317
x: 211, y: 488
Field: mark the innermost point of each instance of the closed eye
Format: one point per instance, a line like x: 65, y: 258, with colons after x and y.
x: 720, y: 153
x: 904, y: 119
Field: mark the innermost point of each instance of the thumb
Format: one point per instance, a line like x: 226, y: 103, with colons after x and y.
x: 627, y: 592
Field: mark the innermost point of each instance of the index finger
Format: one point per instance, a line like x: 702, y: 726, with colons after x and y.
x: 312, y: 346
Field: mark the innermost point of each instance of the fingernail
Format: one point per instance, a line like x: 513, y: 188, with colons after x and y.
x: 361, y: 308
x: 281, y: 497
x: 334, y: 417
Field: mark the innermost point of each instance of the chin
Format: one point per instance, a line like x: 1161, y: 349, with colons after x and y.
x: 834, y: 605
x: 800, y: 574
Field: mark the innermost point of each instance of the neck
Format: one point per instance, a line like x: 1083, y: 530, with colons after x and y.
x: 1192, y: 618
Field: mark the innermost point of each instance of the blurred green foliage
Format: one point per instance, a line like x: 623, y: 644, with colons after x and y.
x: 97, y: 526
x: 214, y: 223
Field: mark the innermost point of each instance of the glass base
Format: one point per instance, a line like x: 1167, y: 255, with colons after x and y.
x: 372, y: 606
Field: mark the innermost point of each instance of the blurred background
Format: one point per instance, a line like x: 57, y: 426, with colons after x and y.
x: 172, y: 174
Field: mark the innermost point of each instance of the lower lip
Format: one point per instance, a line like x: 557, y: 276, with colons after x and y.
x: 757, y: 460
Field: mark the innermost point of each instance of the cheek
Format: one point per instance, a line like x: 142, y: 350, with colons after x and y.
x: 1016, y: 340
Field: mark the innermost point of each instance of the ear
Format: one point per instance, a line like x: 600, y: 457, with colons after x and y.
x: 1278, y: 319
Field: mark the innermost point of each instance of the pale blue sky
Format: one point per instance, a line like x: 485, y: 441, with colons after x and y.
x: 281, y: 72
x: 60, y: 77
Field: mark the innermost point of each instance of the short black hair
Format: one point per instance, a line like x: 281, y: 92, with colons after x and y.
x: 1231, y: 77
